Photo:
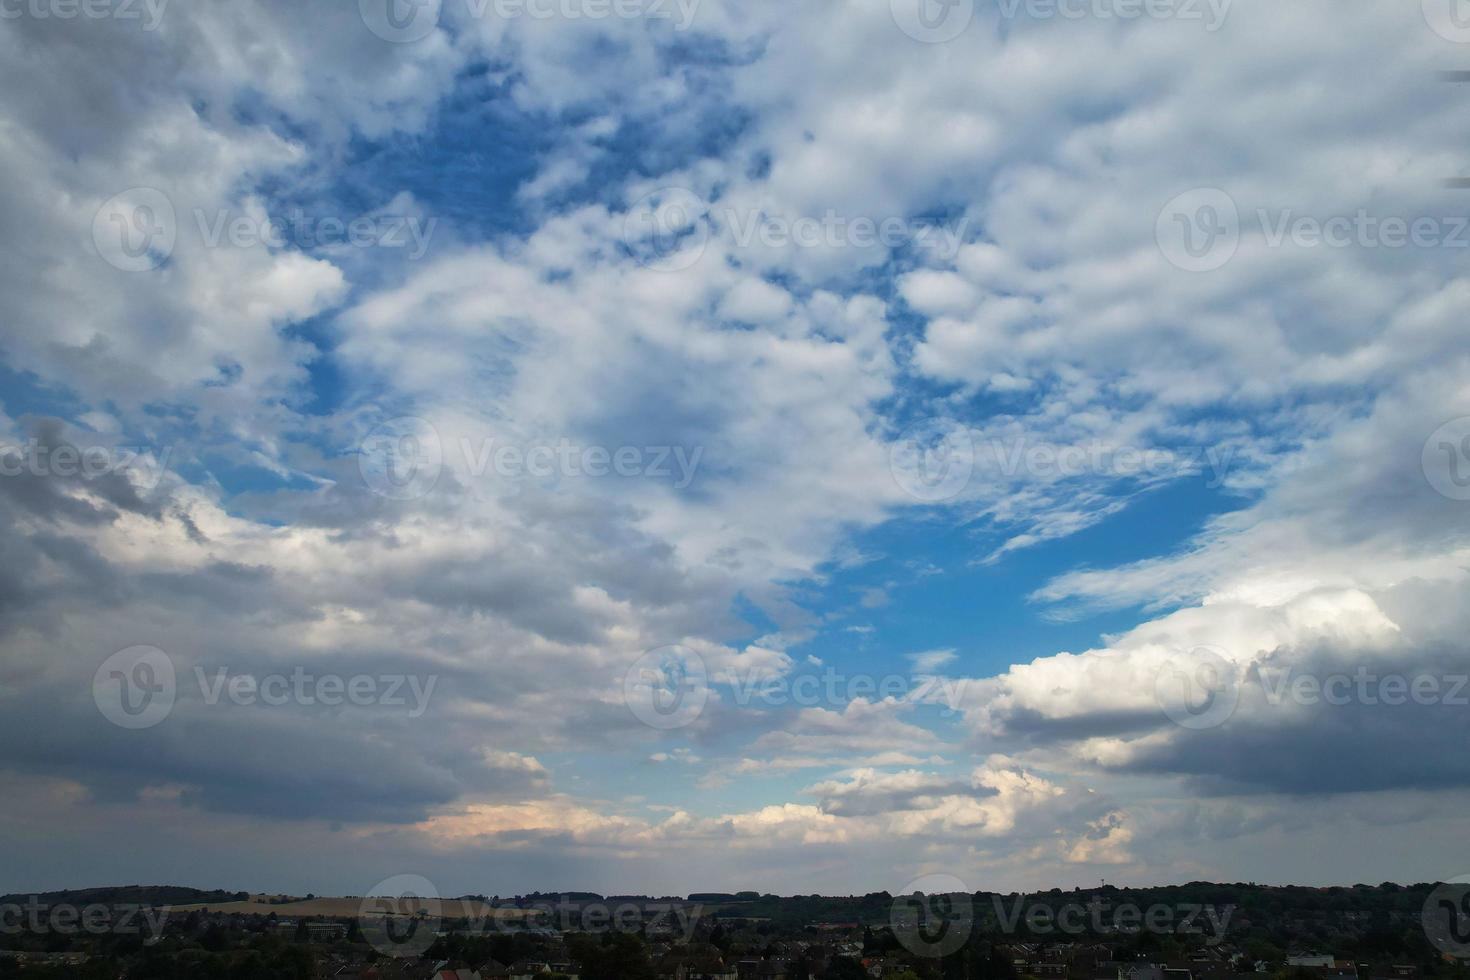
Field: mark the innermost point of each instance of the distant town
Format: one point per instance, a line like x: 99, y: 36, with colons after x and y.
x: 1198, y: 931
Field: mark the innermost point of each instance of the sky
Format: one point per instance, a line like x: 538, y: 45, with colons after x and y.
x: 653, y: 446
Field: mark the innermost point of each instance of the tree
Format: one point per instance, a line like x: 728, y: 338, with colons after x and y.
x: 619, y: 956
x: 845, y: 968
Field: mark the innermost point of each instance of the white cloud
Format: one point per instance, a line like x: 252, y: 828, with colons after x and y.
x: 929, y: 661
